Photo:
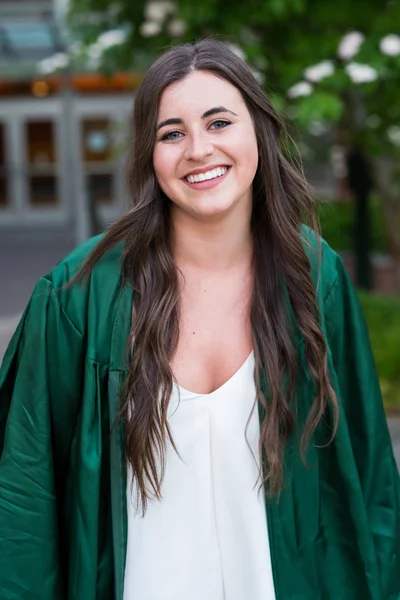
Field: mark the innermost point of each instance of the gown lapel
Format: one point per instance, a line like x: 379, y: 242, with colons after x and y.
x: 117, y: 374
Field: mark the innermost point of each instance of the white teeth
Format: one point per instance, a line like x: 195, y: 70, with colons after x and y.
x: 218, y: 172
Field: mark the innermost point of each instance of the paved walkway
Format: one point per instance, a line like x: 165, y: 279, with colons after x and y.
x: 23, y: 262
x: 394, y: 426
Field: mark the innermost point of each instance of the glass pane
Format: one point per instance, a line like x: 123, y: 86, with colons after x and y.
x: 3, y: 178
x: 3, y: 191
x: 96, y: 140
x: 40, y: 143
x: 100, y: 188
x: 2, y: 147
x: 31, y: 35
x: 42, y: 190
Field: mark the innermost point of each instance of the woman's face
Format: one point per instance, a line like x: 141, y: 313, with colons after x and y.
x: 205, y: 155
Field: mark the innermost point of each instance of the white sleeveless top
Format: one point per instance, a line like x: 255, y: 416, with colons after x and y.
x: 207, y: 539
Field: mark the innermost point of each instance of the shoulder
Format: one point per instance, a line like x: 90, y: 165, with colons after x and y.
x: 327, y: 267
x: 89, y: 305
x: 64, y: 271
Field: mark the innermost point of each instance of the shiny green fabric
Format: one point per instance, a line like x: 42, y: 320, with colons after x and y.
x: 335, y: 531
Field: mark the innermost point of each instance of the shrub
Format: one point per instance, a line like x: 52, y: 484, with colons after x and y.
x: 382, y: 314
x: 337, y: 224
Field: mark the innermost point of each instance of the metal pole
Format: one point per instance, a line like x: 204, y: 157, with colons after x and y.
x: 74, y: 179
x: 77, y: 201
x: 361, y: 185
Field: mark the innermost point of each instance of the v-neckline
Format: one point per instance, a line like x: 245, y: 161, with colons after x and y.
x: 190, y: 394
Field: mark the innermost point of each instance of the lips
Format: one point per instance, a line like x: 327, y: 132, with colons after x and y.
x: 205, y: 170
x: 207, y: 179
x: 207, y: 176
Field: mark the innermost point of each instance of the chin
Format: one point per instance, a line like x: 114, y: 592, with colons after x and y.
x: 211, y: 210
x: 211, y: 216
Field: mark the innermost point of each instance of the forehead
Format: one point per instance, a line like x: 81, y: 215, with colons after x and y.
x: 196, y: 93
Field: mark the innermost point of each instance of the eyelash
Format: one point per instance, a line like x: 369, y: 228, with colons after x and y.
x: 166, y: 138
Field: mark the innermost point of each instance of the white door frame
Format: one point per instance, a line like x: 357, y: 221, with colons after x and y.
x: 14, y: 114
x: 116, y: 108
x: 67, y: 113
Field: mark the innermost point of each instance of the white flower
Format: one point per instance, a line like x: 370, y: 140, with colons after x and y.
x: 60, y: 60
x: 393, y: 134
x: 44, y: 66
x: 300, y: 89
x: 150, y: 28
x: 359, y: 73
x: 112, y: 38
x: 158, y: 11
x: 176, y: 27
x: 53, y: 63
x: 320, y: 71
x: 94, y: 52
x: 350, y: 44
x: 390, y: 45
x: 104, y: 41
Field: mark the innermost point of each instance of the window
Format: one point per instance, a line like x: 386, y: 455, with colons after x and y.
x: 42, y: 163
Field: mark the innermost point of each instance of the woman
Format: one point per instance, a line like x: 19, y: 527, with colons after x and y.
x: 200, y: 417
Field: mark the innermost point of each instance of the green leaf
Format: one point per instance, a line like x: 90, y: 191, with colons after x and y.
x: 320, y: 106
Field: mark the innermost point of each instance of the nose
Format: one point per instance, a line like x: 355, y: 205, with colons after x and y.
x: 198, y: 147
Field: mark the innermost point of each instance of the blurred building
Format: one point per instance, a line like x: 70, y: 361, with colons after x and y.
x: 62, y: 137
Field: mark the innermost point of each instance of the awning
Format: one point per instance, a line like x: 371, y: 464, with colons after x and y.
x: 29, y: 33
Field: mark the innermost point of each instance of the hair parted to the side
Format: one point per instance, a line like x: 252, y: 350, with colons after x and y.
x: 282, y: 274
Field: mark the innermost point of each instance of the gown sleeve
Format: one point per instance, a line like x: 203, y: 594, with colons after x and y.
x: 371, y: 444
x: 39, y: 390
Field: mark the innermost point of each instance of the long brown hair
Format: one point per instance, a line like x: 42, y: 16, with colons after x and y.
x: 283, y: 297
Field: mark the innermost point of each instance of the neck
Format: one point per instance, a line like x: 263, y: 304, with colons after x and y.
x: 212, y: 245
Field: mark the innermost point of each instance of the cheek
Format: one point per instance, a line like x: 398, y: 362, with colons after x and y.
x: 159, y: 165
x: 251, y: 146
x: 247, y: 152
x: 164, y: 167
x: 243, y: 142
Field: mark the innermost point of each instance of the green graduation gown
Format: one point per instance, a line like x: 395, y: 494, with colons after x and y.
x: 335, y: 531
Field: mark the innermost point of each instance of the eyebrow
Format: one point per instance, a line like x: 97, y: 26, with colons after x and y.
x: 212, y: 111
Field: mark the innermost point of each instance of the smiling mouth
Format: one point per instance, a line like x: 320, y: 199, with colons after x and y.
x: 212, y: 174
